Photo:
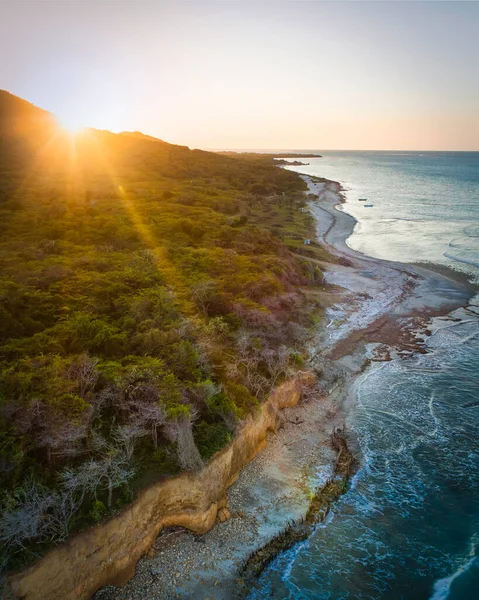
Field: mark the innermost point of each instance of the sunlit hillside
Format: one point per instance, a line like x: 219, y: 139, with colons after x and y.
x: 149, y: 302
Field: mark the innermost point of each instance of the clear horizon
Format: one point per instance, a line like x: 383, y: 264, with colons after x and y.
x: 269, y: 150
x: 375, y: 76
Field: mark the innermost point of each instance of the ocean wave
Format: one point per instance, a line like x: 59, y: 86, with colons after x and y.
x: 406, y: 219
x: 456, y: 243
x: 442, y: 587
x: 472, y: 231
x: 466, y: 242
x: 462, y: 259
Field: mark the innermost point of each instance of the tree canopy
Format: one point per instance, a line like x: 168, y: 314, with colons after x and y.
x: 149, y: 301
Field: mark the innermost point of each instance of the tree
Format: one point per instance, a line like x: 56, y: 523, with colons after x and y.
x: 143, y: 405
x: 277, y: 362
x: 203, y: 293
x: 60, y: 436
x: 36, y: 514
x: 246, y: 365
x: 126, y: 436
x: 220, y: 404
x: 152, y: 415
x: 83, y: 370
x: 180, y: 430
x: 107, y: 472
x: 199, y: 394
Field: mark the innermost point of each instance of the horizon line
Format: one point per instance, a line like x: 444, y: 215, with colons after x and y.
x: 266, y: 150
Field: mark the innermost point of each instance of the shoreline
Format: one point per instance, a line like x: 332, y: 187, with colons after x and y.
x: 376, y: 299
x: 381, y: 295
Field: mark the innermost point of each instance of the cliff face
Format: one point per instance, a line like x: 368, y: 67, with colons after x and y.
x: 107, y: 554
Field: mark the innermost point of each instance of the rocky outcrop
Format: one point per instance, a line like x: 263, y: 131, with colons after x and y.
x: 107, y: 553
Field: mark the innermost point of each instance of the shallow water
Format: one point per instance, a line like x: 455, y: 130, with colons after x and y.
x: 425, y: 205
x: 409, y: 526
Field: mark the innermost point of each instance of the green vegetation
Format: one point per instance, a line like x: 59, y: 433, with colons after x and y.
x: 149, y: 301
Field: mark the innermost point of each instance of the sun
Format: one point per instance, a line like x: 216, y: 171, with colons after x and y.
x: 71, y: 124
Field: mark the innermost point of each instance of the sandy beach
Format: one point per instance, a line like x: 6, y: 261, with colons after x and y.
x: 379, y: 308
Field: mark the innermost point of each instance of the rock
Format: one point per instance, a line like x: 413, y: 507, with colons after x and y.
x: 223, y: 503
x: 221, y: 515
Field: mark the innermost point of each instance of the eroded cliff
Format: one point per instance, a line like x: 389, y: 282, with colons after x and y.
x: 107, y: 554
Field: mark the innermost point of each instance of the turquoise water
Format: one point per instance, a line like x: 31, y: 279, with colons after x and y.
x: 409, y: 526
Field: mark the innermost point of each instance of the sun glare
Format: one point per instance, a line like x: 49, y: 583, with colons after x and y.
x: 71, y: 124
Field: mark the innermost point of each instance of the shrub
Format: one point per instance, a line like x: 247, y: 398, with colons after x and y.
x: 97, y: 511
x: 223, y: 406
x: 165, y: 458
x: 211, y: 437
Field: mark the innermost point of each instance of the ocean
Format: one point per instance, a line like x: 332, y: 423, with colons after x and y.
x: 409, y: 525
x: 425, y: 204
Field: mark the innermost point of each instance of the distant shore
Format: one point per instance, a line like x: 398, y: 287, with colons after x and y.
x: 370, y: 301
x: 276, y: 155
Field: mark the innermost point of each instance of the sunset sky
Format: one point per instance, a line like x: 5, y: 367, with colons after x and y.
x: 344, y: 75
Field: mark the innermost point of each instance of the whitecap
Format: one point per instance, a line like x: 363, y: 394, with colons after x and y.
x: 462, y: 259
x: 442, y: 587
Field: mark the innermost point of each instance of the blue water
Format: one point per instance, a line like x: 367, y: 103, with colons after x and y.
x: 409, y: 526
x: 425, y: 205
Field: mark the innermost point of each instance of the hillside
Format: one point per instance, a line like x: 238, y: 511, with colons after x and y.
x: 149, y: 301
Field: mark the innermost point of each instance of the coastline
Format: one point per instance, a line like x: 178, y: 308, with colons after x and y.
x: 381, y: 303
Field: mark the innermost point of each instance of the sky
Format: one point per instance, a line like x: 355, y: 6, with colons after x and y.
x: 240, y: 74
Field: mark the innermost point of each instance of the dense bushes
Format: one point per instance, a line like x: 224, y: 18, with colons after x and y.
x: 146, y: 308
